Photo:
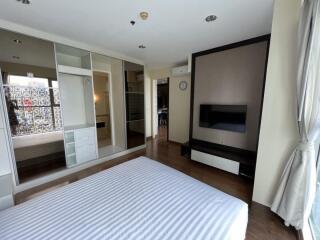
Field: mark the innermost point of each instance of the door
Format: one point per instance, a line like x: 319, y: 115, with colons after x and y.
x: 154, y: 108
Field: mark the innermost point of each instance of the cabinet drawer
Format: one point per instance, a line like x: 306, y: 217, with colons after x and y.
x: 85, y: 136
x: 86, y: 153
x: 69, y: 137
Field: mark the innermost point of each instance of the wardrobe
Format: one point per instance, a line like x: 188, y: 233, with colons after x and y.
x: 50, y: 105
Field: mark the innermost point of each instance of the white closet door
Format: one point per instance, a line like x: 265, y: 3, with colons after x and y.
x: 85, y: 144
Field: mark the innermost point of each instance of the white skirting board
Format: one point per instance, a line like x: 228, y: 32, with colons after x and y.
x: 6, y: 202
x: 215, y: 161
x: 6, y: 197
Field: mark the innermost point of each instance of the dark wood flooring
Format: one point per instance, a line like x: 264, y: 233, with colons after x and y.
x: 262, y: 225
x: 40, y: 166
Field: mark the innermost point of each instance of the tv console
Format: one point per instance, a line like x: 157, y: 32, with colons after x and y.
x: 234, y: 160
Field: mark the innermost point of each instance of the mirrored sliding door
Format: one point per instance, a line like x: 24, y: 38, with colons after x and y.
x: 30, y: 91
x: 134, y: 89
x: 109, y: 104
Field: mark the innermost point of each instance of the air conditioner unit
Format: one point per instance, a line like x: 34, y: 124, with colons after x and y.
x: 183, y: 70
x: 180, y: 71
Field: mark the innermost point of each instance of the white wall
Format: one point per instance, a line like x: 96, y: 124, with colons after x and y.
x: 278, y: 134
x: 118, y: 103
x: 179, y: 110
x: 147, y: 99
x: 179, y: 105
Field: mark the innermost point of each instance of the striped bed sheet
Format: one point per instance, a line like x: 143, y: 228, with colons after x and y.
x: 138, y: 199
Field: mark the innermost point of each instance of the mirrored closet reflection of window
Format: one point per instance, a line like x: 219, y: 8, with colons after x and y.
x: 66, y: 106
x: 30, y: 91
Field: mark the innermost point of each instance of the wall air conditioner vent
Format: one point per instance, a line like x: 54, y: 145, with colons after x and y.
x: 180, y: 71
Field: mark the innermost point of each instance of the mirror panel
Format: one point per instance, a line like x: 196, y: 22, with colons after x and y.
x: 109, y: 107
x: 134, y: 88
x: 31, y: 93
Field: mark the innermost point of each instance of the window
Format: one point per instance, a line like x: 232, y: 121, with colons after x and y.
x: 315, y: 214
x: 33, y: 105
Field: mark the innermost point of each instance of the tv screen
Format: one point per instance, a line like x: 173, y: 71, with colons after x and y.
x: 223, y: 117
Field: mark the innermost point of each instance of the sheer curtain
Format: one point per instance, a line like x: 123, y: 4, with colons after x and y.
x: 295, y: 195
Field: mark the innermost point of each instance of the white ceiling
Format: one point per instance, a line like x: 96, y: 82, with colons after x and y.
x: 174, y: 29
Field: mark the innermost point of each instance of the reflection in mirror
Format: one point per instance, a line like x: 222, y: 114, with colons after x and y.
x: 101, y: 83
x: 134, y: 87
x: 109, y: 107
x: 31, y: 93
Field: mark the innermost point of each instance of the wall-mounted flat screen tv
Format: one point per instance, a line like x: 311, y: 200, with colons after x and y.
x: 223, y: 117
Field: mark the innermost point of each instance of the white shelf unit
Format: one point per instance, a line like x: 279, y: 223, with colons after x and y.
x: 77, y: 100
x: 70, y: 151
x: 74, y: 70
x: 73, y: 57
x: 80, y: 146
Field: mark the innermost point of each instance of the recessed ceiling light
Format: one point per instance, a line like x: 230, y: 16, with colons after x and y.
x: 24, y: 1
x: 16, y: 57
x: 17, y: 41
x: 211, y: 18
x: 142, y: 46
x: 144, y: 15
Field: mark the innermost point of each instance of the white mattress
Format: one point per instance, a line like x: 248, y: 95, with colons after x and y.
x: 139, y: 199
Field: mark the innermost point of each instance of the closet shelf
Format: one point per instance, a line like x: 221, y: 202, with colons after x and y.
x: 74, y: 127
x: 142, y: 119
x: 135, y: 92
x: 74, y: 70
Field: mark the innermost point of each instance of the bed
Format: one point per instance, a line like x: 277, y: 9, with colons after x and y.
x: 138, y: 199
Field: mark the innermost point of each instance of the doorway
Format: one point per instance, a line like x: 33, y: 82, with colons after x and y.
x: 162, y: 108
x: 101, y: 82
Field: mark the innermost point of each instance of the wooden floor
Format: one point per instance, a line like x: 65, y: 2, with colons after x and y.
x: 263, y: 224
x: 40, y: 166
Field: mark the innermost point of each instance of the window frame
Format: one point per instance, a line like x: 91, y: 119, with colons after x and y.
x: 52, y: 105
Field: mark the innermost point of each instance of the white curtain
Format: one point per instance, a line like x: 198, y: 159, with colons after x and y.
x: 294, y: 198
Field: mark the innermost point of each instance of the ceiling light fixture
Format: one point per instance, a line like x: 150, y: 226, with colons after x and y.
x: 27, y: 2
x: 144, y: 15
x: 142, y: 46
x: 17, y: 41
x: 211, y: 18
